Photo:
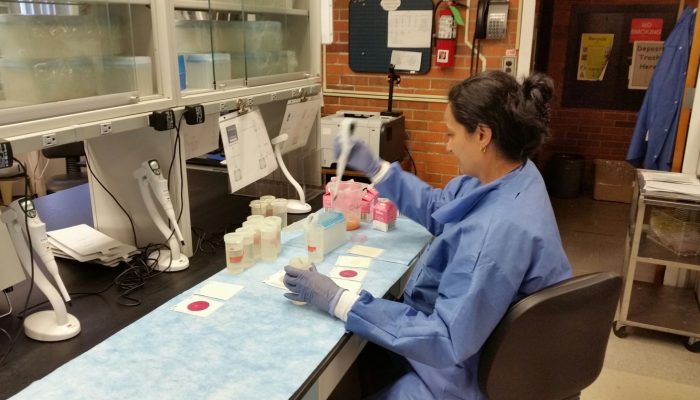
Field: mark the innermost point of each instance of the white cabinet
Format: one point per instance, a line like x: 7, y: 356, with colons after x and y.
x: 94, y: 70
x: 62, y: 58
x: 66, y: 67
x: 228, y: 44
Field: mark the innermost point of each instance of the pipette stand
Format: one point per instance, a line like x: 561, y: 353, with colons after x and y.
x: 48, y: 325
x: 168, y: 260
x: 392, y: 78
x: 293, y: 206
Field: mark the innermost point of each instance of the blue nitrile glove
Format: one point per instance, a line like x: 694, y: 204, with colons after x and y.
x: 361, y: 157
x: 312, y: 287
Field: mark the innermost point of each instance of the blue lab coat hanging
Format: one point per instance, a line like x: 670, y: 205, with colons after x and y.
x: 654, y: 135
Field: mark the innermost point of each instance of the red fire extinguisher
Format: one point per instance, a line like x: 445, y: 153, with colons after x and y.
x: 446, y: 44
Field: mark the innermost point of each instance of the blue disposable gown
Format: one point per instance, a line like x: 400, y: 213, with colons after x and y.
x: 494, y: 244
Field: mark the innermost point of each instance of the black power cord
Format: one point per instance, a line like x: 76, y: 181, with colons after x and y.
x: 141, y: 268
x: 9, y: 312
x: 205, y: 242
x: 131, y: 221
x: 139, y: 271
x: 75, y: 296
x: 410, y: 157
x: 476, y: 51
x: 177, y: 148
x: 144, y: 267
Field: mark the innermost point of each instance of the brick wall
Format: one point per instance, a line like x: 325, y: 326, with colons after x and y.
x: 423, y: 116
x: 594, y: 133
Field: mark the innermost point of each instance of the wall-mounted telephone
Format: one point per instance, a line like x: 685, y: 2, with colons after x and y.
x: 491, y: 19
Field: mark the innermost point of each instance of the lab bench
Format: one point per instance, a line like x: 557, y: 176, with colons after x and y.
x: 100, y: 315
x: 257, y: 345
x: 658, y: 307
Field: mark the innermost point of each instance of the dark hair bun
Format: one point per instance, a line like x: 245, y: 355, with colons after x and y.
x: 537, y: 90
x: 538, y: 87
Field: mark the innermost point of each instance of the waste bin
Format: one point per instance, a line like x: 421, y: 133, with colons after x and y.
x: 565, y: 175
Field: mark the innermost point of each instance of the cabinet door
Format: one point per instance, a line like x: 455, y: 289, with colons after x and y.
x: 59, y: 57
x: 276, y: 40
x: 228, y: 44
x: 209, y: 42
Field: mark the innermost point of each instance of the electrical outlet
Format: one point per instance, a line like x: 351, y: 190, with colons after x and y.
x: 48, y: 140
x: 222, y: 107
x: 508, y: 65
x: 105, y: 128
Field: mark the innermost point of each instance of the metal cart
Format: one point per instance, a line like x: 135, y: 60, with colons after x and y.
x: 645, y: 305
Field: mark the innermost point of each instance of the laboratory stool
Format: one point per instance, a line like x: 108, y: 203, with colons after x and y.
x: 74, y: 175
x: 8, y: 177
x: 6, y: 190
x: 551, y: 344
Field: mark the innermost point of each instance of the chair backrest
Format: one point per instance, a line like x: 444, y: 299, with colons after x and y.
x: 551, y: 344
x: 74, y: 175
x: 75, y: 149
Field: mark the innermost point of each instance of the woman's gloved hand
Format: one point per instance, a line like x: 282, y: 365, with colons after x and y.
x: 361, y: 157
x: 312, y: 287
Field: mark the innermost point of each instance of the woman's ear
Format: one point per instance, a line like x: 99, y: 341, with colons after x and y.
x: 485, y: 134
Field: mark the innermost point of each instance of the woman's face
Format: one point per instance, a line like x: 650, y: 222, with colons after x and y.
x: 464, y: 145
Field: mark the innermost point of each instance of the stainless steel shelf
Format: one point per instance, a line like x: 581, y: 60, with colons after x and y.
x: 653, y: 253
x: 657, y: 307
x: 666, y: 307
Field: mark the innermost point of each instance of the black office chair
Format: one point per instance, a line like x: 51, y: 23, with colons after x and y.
x: 551, y: 344
x: 74, y: 175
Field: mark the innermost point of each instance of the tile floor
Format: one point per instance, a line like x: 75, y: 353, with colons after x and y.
x: 646, y: 365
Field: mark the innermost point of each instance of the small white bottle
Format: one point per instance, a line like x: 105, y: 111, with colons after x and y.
x: 255, y: 226
x: 248, y: 246
x: 234, y: 253
x: 279, y: 207
x: 255, y: 217
x: 256, y: 207
x: 277, y: 221
x: 268, y: 241
x: 266, y: 202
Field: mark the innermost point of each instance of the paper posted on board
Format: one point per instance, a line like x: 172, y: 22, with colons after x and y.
x: 645, y: 56
x: 410, y: 29
x: 299, y: 118
x: 594, y: 55
x: 406, y: 60
x: 247, y: 148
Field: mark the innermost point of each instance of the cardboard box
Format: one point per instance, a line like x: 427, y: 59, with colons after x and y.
x: 613, y: 181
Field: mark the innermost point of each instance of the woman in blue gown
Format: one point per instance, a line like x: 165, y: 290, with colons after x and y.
x: 496, y: 240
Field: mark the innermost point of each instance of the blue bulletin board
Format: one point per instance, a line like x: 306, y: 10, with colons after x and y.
x: 369, y: 37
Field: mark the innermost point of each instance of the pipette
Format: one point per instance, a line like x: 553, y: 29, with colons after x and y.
x: 159, y: 187
x: 152, y: 184
x: 40, y: 242
x: 347, y: 127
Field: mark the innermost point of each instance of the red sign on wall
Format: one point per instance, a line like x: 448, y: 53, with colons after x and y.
x: 646, y: 29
